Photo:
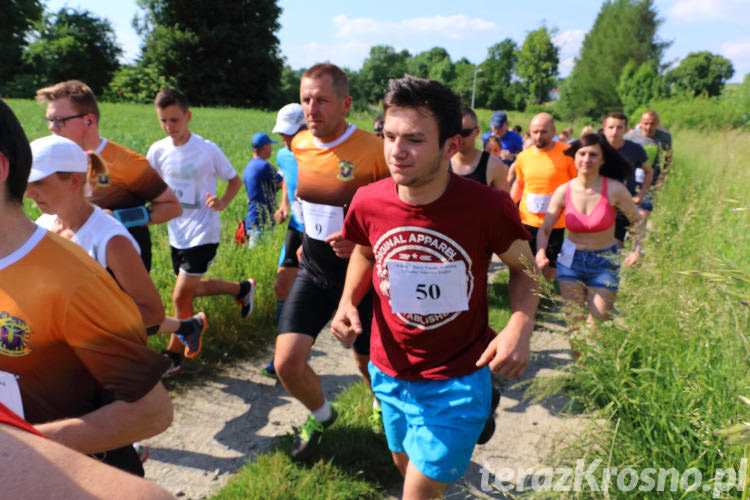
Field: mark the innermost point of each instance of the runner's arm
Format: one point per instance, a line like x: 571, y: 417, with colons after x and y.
x: 554, y: 210
x: 497, y: 174
x: 65, y: 472
x: 114, y: 425
x: 164, y: 207
x: 233, y: 187
x: 346, y: 324
x: 283, y: 211
x: 508, y: 353
x: 516, y: 191
x: 127, y: 268
x: 623, y: 201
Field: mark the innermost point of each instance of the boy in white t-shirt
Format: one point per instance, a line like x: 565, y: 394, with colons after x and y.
x: 191, y: 166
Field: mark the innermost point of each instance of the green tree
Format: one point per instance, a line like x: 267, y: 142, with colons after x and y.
x: 464, y: 80
x: 639, y: 85
x: 433, y: 64
x: 72, y: 45
x: 623, y: 30
x: 494, y: 88
x: 223, y: 52
x: 381, y: 65
x: 701, y: 73
x: 537, y: 64
x: 16, y: 18
x: 136, y: 83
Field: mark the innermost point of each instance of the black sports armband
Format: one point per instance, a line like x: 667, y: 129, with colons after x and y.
x: 129, y: 217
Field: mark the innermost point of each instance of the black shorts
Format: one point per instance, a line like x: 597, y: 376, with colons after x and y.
x: 292, y: 241
x: 193, y: 261
x: 309, y: 306
x: 142, y: 236
x: 554, y: 245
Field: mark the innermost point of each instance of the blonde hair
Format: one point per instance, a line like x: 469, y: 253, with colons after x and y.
x: 80, y: 95
x: 95, y: 175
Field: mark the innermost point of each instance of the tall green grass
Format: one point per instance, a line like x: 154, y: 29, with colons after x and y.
x: 668, y: 371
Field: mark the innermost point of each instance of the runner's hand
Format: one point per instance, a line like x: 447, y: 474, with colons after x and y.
x: 346, y: 325
x: 541, y: 259
x: 631, y: 259
x: 341, y: 247
x: 281, y: 214
x: 215, y: 203
x: 508, y: 353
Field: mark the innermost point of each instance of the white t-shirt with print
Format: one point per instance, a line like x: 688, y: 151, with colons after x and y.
x: 94, y: 235
x: 191, y: 171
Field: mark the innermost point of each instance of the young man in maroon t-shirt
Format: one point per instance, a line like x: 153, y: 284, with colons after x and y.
x: 424, y: 241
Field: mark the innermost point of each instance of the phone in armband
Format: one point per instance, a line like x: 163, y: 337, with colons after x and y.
x: 129, y: 217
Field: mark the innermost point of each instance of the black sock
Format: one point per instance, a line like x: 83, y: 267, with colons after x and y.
x: 244, y: 288
x: 186, y: 326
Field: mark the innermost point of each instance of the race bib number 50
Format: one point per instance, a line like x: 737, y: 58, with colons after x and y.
x: 427, y: 288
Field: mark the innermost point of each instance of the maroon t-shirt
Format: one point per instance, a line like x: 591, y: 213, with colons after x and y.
x: 461, y: 229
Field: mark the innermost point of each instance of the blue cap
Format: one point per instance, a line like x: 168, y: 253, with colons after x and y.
x: 499, y: 118
x: 260, y: 139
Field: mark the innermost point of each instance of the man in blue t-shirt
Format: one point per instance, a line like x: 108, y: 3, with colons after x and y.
x: 261, y: 181
x: 511, y: 142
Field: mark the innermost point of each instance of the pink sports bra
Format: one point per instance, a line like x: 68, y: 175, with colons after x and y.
x: 603, y: 216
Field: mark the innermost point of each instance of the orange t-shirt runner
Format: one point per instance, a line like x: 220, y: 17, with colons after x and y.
x: 541, y: 173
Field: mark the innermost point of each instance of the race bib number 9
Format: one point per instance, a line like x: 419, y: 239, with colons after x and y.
x: 321, y: 220
x: 185, y: 191
x: 568, y: 251
x: 427, y: 288
x: 537, y: 203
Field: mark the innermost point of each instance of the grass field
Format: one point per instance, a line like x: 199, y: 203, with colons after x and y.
x: 668, y: 371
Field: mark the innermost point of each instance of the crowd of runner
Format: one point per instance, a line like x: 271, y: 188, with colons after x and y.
x: 389, y: 238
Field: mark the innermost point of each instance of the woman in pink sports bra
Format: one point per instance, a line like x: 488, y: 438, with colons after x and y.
x: 588, y: 265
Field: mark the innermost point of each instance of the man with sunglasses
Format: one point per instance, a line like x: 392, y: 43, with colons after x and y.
x: 132, y: 190
x: 473, y: 163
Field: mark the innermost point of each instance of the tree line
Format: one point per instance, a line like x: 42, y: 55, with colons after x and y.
x: 226, y: 53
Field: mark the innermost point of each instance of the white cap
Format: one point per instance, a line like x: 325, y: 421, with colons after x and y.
x: 55, y: 153
x: 289, y: 119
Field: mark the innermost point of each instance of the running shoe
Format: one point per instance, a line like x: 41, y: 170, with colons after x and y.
x: 489, y: 425
x: 270, y: 370
x: 176, y: 360
x: 375, y: 419
x: 143, y: 451
x: 247, y: 301
x: 307, y: 439
x: 193, y: 341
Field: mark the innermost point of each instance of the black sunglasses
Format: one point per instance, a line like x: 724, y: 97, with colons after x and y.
x: 466, y: 132
x: 59, y: 121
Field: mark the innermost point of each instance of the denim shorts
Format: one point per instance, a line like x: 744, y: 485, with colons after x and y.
x: 435, y: 422
x: 593, y: 268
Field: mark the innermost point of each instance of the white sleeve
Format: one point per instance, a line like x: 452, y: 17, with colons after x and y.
x: 153, y: 160
x: 222, y: 165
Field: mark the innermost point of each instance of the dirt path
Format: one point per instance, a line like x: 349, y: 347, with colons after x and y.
x: 226, y: 420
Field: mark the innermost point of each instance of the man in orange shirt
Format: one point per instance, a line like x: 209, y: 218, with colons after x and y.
x: 539, y: 171
x: 132, y: 184
x: 334, y: 158
x: 73, y: 353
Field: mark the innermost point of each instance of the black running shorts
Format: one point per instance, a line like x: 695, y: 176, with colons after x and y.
x: 309, y: 307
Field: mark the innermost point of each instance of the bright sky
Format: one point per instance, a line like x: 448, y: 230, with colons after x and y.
x: 343, y: 32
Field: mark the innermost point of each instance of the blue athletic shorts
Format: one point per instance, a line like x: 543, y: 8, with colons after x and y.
x: 436, y: 422
x: 593, y: 268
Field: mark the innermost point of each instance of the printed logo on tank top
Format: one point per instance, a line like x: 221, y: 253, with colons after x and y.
x: 102, y: 180
x: 420, y: 245
x: 346, y: 171
x: 14, y: 336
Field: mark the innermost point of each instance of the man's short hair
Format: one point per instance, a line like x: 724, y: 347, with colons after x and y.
x: 618, y: 115
x: 15, y: 147
x: 80, y: 95
x: 169, y: 97
x: 466, y: 111
x: 413, y: 92
x: 338, y: 77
